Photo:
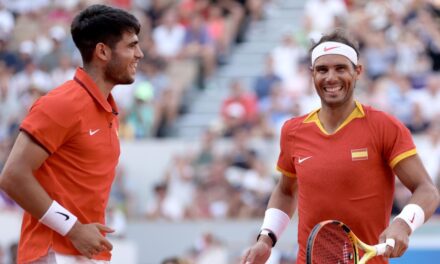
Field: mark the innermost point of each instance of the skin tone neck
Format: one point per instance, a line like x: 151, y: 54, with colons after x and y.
x: 333, y: 117
x: 97, y: 74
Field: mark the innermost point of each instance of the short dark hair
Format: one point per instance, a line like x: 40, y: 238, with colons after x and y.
x: 338, y: 35
x: 101, y: 23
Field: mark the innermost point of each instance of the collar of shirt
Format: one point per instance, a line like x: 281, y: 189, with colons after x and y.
x: 87, y: 83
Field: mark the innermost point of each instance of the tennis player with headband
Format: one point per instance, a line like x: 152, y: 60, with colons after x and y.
x: 340, y: 161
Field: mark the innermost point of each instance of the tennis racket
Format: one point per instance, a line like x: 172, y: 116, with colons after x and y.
x: 332, y: 242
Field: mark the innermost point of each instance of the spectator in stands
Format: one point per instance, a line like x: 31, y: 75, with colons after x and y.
x: 56, y: 50
x: 286, y: 56
x: 239, y: 109
x: 199, y: 46
x: 276, y: 107
x: 169, y: 36
x: 429, y: 147
x: 210, y: 250
x: 10, y: 58
x: 141, y: 116
x: 160, y: 207
x: 264, y: 82
x: 401, y: 98
x: 379, y: 55
x: 217, y: 29
x: 156, y: 10
x: 64, y: 70
x: 328, y: 11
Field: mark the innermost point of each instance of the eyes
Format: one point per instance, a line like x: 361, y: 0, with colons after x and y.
x: 338, y: 69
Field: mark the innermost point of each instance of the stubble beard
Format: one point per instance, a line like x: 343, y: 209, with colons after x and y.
x: 116, y: 74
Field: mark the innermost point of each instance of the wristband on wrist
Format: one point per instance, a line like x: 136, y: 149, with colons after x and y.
x: 413, y: 215
x: 275, y: 222
x: 58, y: 218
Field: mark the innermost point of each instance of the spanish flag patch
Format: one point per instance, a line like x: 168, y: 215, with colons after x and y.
x: 359, y: 154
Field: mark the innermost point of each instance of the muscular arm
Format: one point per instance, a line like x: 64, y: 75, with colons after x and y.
x: 17, y: 179
x: 284, y: 195
x: 413, y: 175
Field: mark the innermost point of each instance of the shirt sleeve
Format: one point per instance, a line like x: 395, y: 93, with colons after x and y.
x: 397, y: 141
x: 285, y: 163
x: 48, y: 124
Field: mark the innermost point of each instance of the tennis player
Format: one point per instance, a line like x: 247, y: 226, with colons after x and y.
x: 62, y: 165
x: 339, y: 162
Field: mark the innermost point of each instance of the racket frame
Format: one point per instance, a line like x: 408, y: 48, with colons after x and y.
x: 370, y: 251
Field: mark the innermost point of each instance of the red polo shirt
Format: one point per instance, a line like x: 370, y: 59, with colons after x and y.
x: 346, y: 175
x: 77, y: 126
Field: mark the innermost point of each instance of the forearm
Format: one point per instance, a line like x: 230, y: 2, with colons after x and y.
x: 17, y: 178
x: 27, y: 192
x: 283, y: 200
x: 427, y: 197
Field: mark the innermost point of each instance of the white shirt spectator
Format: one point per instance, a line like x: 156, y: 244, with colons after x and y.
x: 286, y: 57
x: 429, y: 98
x: 169, y: 36
x: 322, y: 13
x: 7, y: 22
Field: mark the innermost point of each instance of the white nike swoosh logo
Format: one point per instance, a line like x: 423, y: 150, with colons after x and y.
x: 92, y: 132
x: 301, y: 160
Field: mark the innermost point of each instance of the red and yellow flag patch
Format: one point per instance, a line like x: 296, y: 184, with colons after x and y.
x: 359, y: 154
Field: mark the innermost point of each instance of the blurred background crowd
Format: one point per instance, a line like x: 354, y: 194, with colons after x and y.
x: 186, y: 43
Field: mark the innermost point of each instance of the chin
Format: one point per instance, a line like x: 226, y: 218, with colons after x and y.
x: 128, y: 80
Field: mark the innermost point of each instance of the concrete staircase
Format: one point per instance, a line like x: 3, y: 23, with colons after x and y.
x: 245, y: 63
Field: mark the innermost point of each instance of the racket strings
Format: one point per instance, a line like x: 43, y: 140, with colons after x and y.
x: 332, y: 246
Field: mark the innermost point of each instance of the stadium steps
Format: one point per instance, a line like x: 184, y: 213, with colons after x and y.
x: 245, y: 62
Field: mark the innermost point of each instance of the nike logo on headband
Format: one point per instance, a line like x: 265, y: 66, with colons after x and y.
x: 330, y: 48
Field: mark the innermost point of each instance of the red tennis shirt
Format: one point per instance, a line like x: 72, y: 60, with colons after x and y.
x: 78, y: 128
x: 346, y: 175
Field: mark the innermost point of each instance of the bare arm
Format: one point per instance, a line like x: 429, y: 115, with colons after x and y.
x: 17, y: 179
x: 284, y: 197
x: 413, y: 175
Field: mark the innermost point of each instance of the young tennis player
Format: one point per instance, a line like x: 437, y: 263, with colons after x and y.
x: 62, y: 165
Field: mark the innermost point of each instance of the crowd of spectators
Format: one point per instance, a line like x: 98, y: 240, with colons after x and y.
x: 400, y: 47
x: 184, y: 42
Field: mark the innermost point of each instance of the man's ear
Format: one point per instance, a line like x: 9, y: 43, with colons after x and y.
x: 103, y: 52
x: 359, y: 70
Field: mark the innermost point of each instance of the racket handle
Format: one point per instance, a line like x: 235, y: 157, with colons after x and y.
x: 381, y: 248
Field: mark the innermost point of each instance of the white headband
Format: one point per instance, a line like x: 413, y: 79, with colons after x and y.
x: 331, y: 47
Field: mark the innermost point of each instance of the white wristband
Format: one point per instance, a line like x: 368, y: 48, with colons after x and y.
x: 276, y: 221
x: 58, y: 218
x: 413, y: 215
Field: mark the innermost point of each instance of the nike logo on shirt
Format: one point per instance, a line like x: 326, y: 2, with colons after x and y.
x: 301, y: 160
x: 63, y: 214
x: 92, y: 132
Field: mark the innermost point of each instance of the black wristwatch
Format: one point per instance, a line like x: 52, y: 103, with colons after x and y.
x: 270, y: 234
